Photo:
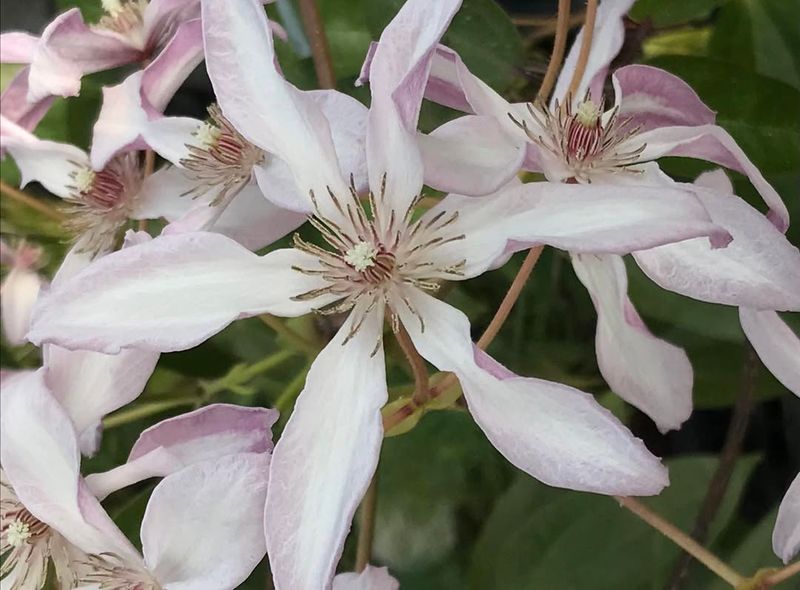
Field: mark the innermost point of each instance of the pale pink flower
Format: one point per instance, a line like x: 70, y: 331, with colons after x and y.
x: 372, y: 578
x: 19, y: 289
x: 176, y: 291
x: 215, y: 462
x: 786, y: 535
x: 574, y: 139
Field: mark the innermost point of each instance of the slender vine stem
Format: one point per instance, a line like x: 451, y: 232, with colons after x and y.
x: 280, y: 327
x: 418, y: 368
x: 677, y: 536
x: 22, y: 197
x: 149, y: 166
x: 586, y: 47
x: 144, y: 410
x: 323, y: 65
x: 783, y: 574
x: 366, y: 524
x: 559, y: 46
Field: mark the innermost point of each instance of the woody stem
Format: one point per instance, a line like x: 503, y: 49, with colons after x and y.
x: 586, y: 46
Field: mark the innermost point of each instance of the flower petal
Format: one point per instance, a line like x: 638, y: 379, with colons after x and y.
x: 15, y: 107
x: 553, y: 432
x: 372, y: 578
x: 214, y: 431
x: 399, y: 73
x: 713, y: 144
x: 777, y: 345
x: 651, y: 97
x: 335, y: 433
x: 39, y: 454
x: 264, y: 107
x: 470, y: 155
x: 19, y: 291
x: 608, y: 219
x: 786, y: 536
x: 202, y: 527
x: 171, y: 293
x: 647, y: 372
x: 69, y: 49
x: 760, y: 268
x: 47, y: 162
x: 164, y: 75
x: 609, y: 34
x: 17, y: 47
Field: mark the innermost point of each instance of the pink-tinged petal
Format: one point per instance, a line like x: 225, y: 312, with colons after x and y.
x: 372, y: 578
x: 608, y: 219
x: 160, y: 17
x: 15, y: 107
x: 68, y: 50
x: 470, y: 155
x: 557, y: 434
x: 398, y: 78
x: 202, y: 528
x: 19, y: 291
x: 40, y: 457
x: 171, y: 294
x: 165, y: 194
x: 786, y: 535
x: 208, y: 433
x: 90, y: 385
x: 651, y: 97
x: 647, y: 372
x: 713, y: 144
x: 609, y: 34
x: 777, y: 345
x: 760, y: 268
x: 17, y: 47
x: 165, y: 74
x: 335, y: 434
x: 444, y: 83
x: 263, y: 106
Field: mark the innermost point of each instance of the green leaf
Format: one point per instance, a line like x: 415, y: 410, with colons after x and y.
x: 481, y: 32
x: 761, y: 35
x: 542, y: 537
x: 347, y: 33
x: 675, y: 12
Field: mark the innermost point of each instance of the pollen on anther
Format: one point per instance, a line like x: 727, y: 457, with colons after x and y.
x: 361, y: 256
x: 18, y: 533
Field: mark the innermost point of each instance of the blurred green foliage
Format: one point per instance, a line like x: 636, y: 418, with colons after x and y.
x: 451, y: 512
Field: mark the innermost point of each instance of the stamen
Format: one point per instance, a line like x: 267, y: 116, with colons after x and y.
x: 125, y: 17
x: 361, y: 256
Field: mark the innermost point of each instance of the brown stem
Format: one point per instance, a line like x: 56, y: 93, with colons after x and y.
x: 29, y: 201
x: 559, y: 46
x: 677, y: 536
x: 586, y: 46
x: 782, y: 575
x: 319, y: 43
x: 366, y: 525
x: 418, y: 367
x: 727, y: 462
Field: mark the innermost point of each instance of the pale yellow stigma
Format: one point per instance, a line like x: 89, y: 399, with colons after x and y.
x: 84, y: 177
x: 18, y: 533
x: 112, y: 7
x: 588, y: 113
x: 361, y: 256
x: 207, y: 135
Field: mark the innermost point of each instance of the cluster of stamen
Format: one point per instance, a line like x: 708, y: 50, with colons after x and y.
x: 585, y: 139
x: 372, y: 254
x: 110, y: 572
x: 221, y: 159
x: 125, y: 17
x: 100, y: 202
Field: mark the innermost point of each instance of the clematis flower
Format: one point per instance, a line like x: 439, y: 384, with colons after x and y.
x: 574, y: 139
x: 372, y: 578
x: 215, y: 462
x: 786, y: 535
x: 177, y: 290
x: 19, y: 289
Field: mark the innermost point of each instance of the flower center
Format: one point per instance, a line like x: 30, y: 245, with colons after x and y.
x: 101, y: 201
x: 372, y: 255
x: 125, y: 17
x: 18, y: 533
x: 221, y: 159
x: 581, y: 140
x: 111, y: 572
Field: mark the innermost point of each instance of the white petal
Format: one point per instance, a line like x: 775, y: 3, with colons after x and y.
x: 372, y: 578
x: 777, y: 345
x: 18, y: 293
x: 553, y: 432
x: 208, y: 433
x: 164, y: 194
x: 171, y: 294
x: 760, y: 268
x: 650, y: 373
x: 202, y: 528
x: 120, y: 121
x: 786, y: 536
x: 335, y: 434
